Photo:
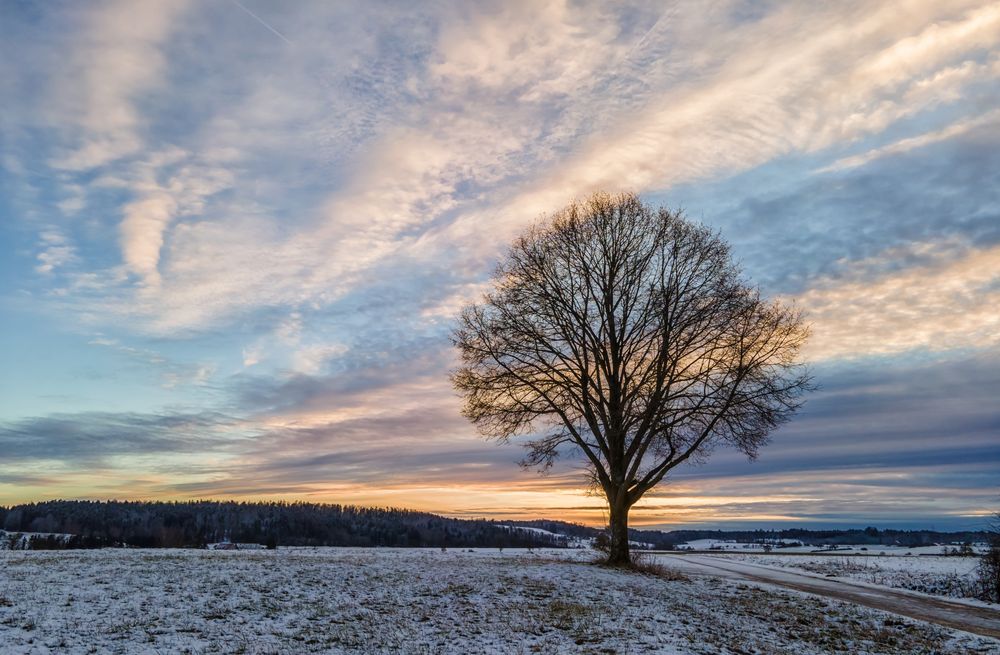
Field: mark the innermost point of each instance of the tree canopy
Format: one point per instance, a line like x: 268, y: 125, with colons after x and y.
x: 629, y: 334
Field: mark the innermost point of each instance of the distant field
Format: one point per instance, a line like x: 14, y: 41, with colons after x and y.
x: 845, y: 549
x: 954, y: 577
x: 418, y: 601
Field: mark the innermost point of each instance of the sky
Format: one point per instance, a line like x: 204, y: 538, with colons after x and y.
x: 234, y: 237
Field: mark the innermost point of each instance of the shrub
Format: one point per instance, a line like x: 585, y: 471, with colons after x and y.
x: 602, y: 543
x: 989, y: 566
x: 989, y: 573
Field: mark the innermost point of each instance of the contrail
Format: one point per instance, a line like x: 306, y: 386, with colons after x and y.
x: 667, y: 13
x: 262, y: 22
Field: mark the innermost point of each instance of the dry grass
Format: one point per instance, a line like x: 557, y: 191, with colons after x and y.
x: 649, y: 565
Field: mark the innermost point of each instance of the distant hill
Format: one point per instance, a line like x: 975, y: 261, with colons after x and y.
x: 194, y: 524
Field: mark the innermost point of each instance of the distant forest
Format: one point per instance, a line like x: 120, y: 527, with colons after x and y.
x: 96, y: 524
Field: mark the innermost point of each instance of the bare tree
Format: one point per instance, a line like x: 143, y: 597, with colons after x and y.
x: 627, y: 333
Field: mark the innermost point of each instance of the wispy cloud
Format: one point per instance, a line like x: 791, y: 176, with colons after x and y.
x: 905, y: 145
x: 117, y: 58
x: 170, y: 372
x: 432, y: 184
x: 945, y: 302
x: 82, y: 439
x: 55, y: 251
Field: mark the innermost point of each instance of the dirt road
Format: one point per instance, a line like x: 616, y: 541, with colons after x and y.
x: 961, y: 616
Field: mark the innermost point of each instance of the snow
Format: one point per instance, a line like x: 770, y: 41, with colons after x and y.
x: 978, y: 618
x: 846, y: 549
x: 228, y: 545
x: 953, y: 577
x: 723, y: 544
x: 419, y: 601
x: 568, y: 541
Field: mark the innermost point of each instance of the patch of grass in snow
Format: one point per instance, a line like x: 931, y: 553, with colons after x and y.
x: 127, y: 626
x: 568, y: 615
x: 823, y: 626
x: 215, y: 615
x: 650, y: 565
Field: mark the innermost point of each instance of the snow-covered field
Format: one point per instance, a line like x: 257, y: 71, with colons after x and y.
x: 847, y: 549
x: 940, y: 576
x: 565, y: 540
x: 418, y: 601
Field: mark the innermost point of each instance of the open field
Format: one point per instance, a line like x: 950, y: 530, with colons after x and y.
x: 772, y: 547
x: 420, y: 601
x: 954, y: 577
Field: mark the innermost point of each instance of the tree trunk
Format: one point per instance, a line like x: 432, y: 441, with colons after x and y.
x: 618, y: 553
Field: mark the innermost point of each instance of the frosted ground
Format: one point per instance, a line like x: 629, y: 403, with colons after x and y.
x: 954, y: 577
x: 848, y: 549
x: 419, y: 601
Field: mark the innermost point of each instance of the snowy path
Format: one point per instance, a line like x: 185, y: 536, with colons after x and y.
x: 962, y: 616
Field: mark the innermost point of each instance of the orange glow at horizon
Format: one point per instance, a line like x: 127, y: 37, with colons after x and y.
x: 514, y: 500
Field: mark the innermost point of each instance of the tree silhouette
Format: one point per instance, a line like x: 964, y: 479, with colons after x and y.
x: 627, y: 333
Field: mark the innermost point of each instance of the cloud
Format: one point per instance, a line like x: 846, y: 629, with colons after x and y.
x: 889, y: 445
x: 310, y: 360
x: 56, y: 251
x: 170, y: 372
x: 535, y: 51
x: 488, y: 125
x: 911, y: 143
x: 776, y: 97
x: 156, y: 205
x: 868, y: 414
x: 791, y: 229
x: 945, y: 303
x: 885, y: 444
x: 251, y: 357
x: 368, y: 377
x: 117, y: 58
x: 94, y: 437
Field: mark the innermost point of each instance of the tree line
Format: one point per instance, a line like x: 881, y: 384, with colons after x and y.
x: 194, y: 524
x: 96, y: 524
